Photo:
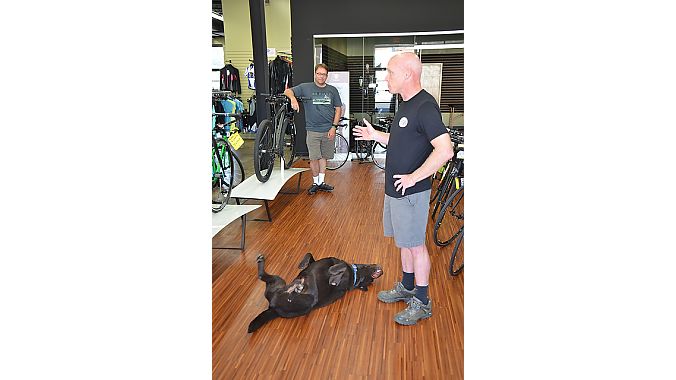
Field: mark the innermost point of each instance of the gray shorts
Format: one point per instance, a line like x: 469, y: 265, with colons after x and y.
x: 405, y: 218
x: 319, y: 145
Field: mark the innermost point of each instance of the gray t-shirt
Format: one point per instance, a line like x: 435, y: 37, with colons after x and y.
x: 320, y: 111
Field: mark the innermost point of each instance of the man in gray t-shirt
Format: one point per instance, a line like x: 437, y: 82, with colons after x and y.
x: 322, y: 114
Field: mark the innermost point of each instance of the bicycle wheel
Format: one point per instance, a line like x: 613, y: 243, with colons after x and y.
x: 450, y: 184
x: 237, y: 172
x: 287, y: 140
x: 340, y: 153
x: 379, y: 153
x: 264, y: 151
x: 222, y: 175
x: 446, y: 226
x: 458, y: 255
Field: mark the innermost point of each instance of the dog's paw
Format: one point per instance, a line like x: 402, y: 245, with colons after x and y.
x: 307, y: 259
x: 260, y: 258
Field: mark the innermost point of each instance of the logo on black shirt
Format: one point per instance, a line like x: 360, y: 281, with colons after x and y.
x: 403, y: 122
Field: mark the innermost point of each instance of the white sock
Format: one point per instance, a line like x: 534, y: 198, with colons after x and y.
x: 315, y: 179
x: 321, y: 178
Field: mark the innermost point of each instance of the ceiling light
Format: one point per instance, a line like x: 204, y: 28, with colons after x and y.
x: 439, y: 46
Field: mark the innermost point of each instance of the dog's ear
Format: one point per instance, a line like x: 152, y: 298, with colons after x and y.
x: 336, y: 273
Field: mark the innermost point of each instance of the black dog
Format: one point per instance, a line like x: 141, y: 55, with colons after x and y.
x: 318, y: 284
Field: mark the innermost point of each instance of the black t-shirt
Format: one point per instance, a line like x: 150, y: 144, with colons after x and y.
x: 416, y: 123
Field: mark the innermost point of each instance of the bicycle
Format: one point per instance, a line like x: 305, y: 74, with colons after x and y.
x: 453, y: 205
x: 378, y: 150
x: 225, y: 175
x: 458, y: 256
x: 275, y: 137
x: 452, y: 212
x: 372, y: 151
x: 362, y: 150
x: 452, y: 169
x: 341, y: 150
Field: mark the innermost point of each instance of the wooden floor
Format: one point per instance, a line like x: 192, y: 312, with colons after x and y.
x: 354, y: 337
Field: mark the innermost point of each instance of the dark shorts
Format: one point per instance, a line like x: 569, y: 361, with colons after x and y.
x: 405, y: 218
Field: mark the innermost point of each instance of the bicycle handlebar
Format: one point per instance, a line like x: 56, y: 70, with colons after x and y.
x: 281, y: 97
x: 237, y: 116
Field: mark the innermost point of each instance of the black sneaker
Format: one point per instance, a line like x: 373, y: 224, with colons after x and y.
x: 313, y: 189
x: 325, y: 187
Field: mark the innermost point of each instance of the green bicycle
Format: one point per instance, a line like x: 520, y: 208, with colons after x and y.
x: 226, y: 167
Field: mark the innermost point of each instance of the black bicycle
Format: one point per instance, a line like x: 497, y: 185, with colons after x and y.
x: 341, y: 151
x: 226, y: 168
x: 447, y: 224
x: 275, y: 137
x: 445, y: 176
x: 458, y: 256
x: 370, y: 150
x: 378, y: 150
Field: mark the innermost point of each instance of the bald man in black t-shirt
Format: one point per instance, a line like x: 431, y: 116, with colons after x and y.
x: 417, y: 146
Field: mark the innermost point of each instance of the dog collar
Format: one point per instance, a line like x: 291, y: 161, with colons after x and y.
x: 354, y: 268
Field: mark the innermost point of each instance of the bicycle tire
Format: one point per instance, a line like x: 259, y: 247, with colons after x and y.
x: 236, y: 177
x: 379, y: 154
x: 452, y: 212
x: 458, y: 256
x: 238, y: 174
x: 264, y: 151
x: 222, y: 175
x: 341, y: 152
x: 287, y: 140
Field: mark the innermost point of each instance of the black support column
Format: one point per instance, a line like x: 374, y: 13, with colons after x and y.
x: 260, y: 54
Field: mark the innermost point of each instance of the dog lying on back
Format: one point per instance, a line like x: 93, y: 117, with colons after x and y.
x: 318, y: 284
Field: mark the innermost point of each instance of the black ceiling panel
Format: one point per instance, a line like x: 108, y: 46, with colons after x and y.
x: 217, y: 25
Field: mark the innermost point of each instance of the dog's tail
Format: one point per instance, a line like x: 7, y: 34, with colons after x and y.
x: 262, y: 319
